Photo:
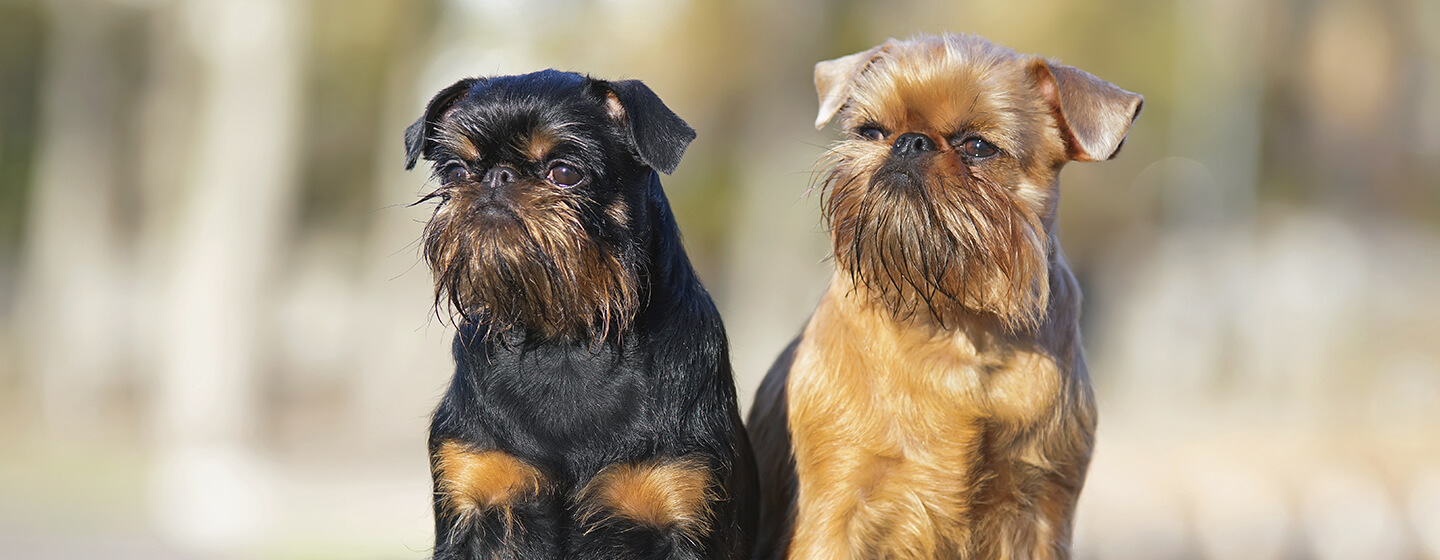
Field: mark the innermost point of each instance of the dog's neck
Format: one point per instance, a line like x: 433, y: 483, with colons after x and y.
x: 667, y: 272
x: 1060, y: 301
x: 847, y: 307
x: 856, y: 300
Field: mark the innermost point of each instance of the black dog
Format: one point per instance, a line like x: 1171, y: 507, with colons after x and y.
x: 592, y: 413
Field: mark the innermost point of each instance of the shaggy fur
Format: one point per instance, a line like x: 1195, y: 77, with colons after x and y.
x: 937, y: 404
x: 592, y: 413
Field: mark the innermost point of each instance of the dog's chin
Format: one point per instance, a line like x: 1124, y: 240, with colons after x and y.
x: 938, y: 248
x: 527, y: 268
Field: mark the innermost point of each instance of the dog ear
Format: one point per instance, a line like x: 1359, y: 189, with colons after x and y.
x: 418, y: 135
x: 833, y: 78
x: 1094, y: 115
x: 657, y: 133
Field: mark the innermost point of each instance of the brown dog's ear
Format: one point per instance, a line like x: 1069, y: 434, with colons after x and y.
x: 659, y: 135
x: 418, y: 135
x: 1093, y: 114
x: 833, y: 78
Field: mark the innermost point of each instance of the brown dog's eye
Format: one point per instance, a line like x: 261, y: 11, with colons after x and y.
x: 455, y: 174
x: 564, y: 176
x: 870, y: 133
x: 977, y: 148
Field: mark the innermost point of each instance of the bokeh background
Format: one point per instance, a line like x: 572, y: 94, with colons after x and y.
x: 215, y: 333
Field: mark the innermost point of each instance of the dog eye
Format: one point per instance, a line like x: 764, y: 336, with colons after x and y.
x: 564, y: 176
x: 870, y: 133
x: 456, y: 173
x: 977, y: 148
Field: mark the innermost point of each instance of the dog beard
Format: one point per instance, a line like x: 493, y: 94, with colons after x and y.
x: 936, y: 245
x: 527, y: 264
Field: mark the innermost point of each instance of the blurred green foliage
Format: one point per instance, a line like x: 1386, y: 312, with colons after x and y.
x: 21, y: 36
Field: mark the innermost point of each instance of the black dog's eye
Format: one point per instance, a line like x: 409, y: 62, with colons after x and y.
x: 977, y: 148
x: 564, y: 176
x: 456, y: 173
x: 870, y: 133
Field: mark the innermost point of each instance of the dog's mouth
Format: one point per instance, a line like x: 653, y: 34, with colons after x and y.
x: 524, y: 259
x: 491, y: 212
x: 899, y: 180
x: 929, y: 244
x: 902, y: 176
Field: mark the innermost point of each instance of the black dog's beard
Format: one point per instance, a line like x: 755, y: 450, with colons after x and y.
x: 937, y: 246
x: 537, y: 268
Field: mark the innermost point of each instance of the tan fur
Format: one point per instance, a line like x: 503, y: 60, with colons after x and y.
x: 939, y: 404
x: 1088, y: 109
x: 619, y: 211
x: 976, y: 240
x: 476, y: 482
x: 614, y: 108
x: 539, y: 143
x: 670, y: 494
x: 459, y: 143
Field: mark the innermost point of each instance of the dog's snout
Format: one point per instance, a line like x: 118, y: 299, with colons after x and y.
x: 499, y: 176
x: 912, y: 144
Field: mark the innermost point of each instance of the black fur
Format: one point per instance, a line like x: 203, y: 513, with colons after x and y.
x: 656, y: 385
x: 417, y: 135
x: 659, y: 134
x: 770, y: 426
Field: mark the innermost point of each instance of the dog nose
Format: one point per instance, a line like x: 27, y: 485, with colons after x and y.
x: 912, y: 144
x: 499, y: 176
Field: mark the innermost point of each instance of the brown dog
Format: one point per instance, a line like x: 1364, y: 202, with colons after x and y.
x: 937, y: 405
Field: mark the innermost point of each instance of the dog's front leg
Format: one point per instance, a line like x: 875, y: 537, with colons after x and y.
x: 490, y: 505
x: 824, y: 511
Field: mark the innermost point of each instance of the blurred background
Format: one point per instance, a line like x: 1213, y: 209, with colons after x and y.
x: 216, y: 338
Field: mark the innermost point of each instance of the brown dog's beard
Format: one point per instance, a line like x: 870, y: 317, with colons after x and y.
x: 538, y: 268
x: 938, y: 245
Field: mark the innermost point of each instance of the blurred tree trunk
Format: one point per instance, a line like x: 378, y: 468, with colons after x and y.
x: 1216, y: 112
x: 775, y: 263
x: 230, y: 229
x: 402, y: 351
x: 71, y: 298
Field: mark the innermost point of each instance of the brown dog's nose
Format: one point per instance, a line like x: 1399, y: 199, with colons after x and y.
x: 499, y: 176
x: 912, y: 144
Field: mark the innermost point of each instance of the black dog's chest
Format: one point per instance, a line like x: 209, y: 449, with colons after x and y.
x: 575, y: 407
x: 570, y: 394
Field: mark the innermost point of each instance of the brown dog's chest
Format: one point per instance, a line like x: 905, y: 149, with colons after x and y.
x: 901, y: 440
x: 916, y: 390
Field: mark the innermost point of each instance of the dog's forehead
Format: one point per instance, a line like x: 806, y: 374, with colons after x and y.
x: 942, y: 85
x: 534, y: 114
x: 551, y: 86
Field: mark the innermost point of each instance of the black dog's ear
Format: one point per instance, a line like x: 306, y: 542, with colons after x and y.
x: 417, y: 136
x: 657, y: 133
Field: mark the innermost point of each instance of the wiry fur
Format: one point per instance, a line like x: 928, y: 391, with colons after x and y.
x: 937, y: 405
x: 592, y: 414
x: 939, y: 244
x: 539, y: 267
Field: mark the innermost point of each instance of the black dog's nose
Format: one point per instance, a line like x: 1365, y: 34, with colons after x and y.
x: 499, y: 176
x: 912, y: 144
